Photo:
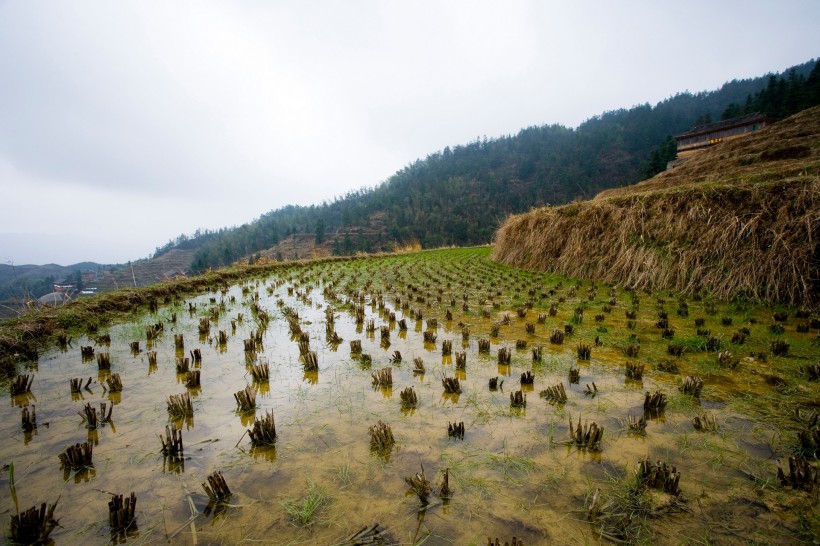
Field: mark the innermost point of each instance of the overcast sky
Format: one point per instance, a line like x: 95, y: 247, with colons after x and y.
x: 124, y: 124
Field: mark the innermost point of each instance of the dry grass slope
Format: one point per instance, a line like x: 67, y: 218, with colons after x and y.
x: 740, y: 219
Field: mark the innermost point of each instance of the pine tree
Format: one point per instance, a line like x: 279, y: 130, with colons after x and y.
x: 320, y: 231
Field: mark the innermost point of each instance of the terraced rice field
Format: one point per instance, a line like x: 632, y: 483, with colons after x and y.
x: 512, y: 470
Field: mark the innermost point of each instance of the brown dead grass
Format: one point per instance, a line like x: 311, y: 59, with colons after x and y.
x: 738, y: 220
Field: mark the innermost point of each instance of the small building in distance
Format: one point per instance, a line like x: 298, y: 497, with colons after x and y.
x: 704, y: 136
x: 64, y: 288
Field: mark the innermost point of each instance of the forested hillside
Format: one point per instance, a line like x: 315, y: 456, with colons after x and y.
x: 459, y: 195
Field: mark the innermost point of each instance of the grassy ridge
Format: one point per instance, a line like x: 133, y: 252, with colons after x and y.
x: 740, y: 220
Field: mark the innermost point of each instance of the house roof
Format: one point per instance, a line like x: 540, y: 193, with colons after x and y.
x: 726, y: 124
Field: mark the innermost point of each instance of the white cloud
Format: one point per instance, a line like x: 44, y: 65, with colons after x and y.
x: 139, y: 121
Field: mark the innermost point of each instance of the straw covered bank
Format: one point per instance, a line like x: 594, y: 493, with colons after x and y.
x: 740, y: 219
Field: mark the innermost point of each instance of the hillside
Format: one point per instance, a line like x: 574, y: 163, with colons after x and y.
x: 21, y: 284
x: 459, y: 195
x: 741, y: 219
x: 9, y: 273
x: 170, y: 265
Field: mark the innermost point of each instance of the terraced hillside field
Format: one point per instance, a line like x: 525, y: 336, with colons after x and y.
x: 440, y: 395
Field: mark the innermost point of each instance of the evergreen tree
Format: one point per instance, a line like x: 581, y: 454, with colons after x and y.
x: 731, y: 111
x: 320, y: 231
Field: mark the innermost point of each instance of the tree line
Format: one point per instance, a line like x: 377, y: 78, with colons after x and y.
x: 784, y: 95
x: 459, y: 195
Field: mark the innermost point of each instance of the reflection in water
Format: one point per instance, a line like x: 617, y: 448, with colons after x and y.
x: 583, y: 454
x: 510, y: 460
x: 102, y: 375
x: 634, y: 383
x: 22, y: 400
x: 172, y: 464
x: 194, y: 391
x: 81, y: 475
x: 266, y: 453
x: 121, y: 536
x: 188, y: 421
x: 451, y: 397
x: 217, y: 508
x: 246, y: 418
x: 263, y: 387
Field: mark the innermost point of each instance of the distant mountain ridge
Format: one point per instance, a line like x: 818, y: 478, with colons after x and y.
x: 29, y: 281
x: 10, y: 272
x: 22, y: 283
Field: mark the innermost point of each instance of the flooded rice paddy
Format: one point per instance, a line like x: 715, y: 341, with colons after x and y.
x: 512, y: 471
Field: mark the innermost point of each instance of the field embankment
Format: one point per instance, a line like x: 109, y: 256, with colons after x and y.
x: 741, y: 219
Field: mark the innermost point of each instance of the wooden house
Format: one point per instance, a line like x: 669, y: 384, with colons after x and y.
x: 705, y: 136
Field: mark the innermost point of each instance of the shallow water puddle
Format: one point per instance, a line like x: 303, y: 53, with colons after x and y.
x: 513, y: 474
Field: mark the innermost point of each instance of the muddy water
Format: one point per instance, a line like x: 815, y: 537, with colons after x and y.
x: 513, y: 474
